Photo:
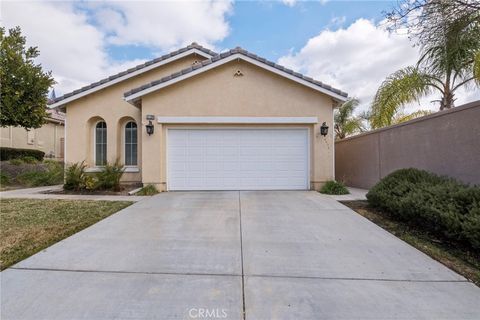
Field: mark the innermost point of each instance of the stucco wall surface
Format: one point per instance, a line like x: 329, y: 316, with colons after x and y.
x: 446, y: 143
x: 108, y: 105
x: 47, y: 138
x: 257, y: 93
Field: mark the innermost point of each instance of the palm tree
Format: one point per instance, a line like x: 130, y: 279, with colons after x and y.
x: 448, y: 61
x: 345, y: 123
x: 401, y: 117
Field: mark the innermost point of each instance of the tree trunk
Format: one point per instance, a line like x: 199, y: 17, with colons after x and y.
x: 447, y: 101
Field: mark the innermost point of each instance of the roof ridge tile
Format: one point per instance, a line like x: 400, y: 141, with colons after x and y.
x: 194, y: 45
x: 238, y: 50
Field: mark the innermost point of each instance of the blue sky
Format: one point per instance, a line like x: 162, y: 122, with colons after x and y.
x: 342, y: 43
x: 271, y: 29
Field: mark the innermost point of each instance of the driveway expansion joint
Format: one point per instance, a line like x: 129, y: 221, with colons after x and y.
x: 348, y: 278
x: 241, y: 251
x: 128, y: 272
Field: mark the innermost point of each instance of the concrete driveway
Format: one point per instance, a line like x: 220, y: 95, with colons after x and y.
x: 235, y: 255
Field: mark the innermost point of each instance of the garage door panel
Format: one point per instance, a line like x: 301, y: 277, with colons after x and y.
x: 236, y: 159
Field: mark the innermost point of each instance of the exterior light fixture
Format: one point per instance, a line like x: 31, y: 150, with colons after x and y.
x: 324, y: 129
x: 149, y: 127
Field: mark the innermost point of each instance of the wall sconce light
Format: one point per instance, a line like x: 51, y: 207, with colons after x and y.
x: 149, y: 127
x: 324, y: 129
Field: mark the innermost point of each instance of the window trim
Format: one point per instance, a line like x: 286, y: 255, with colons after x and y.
x: 124, y: 149
x: 95, y: 143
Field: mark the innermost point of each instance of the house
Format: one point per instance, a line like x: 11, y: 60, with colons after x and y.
x: 48, y: 138
x: 199, y: 120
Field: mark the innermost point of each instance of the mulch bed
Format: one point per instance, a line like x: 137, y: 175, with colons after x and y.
x: 124, y: 192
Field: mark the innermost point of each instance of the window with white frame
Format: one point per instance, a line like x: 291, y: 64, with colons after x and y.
x: 101, y: 143
x: 131, y: 144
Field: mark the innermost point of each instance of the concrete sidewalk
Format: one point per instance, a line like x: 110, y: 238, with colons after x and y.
x: 355, y: 194
x: 37, y: 193
x: 238, y: 255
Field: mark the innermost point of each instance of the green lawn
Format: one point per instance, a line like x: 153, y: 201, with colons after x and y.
x: 460, y: 259
x: 28, y: 226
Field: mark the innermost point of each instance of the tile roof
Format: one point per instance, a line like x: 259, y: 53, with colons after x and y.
x: 194, y: 45
x: 226, y: 54
x: 56, y: 115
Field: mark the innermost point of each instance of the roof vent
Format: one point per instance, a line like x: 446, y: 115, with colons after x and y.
x: 238, y: 73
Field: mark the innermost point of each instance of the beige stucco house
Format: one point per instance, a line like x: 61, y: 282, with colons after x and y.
x: 228, y: 121
x: 48, y: 138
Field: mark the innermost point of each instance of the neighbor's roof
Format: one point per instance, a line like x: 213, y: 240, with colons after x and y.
x: 149, y: 65
x: 228, y: 56
x: 55, y: 115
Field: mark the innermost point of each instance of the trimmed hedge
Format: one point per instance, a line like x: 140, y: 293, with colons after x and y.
x: 13, y: 153
x: 437, y: 204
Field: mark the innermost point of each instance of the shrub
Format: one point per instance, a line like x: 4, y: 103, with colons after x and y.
x: 75, y: 176
x: 91, y: 182
x: 29, y: 159
x: 16, y: 162
x: 51, y: 176
x: 109, y: 177
x: 13, y: 153
x: 4, y: 179
x: 437, y: 204
x: 334, y: 187
x: 148, y: 190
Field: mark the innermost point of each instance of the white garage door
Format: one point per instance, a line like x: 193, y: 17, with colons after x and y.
x: 237, y: 159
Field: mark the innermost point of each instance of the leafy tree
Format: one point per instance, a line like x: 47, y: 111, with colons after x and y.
x: 423, y: 19
x: 24, y: 85
x: 346, y: 123
x: 450, y: 57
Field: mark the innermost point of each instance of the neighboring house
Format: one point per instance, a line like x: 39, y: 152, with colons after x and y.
x: 229, y: 121
x: 48, y: 138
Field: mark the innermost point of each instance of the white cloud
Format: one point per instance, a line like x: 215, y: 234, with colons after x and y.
x: 338, y: 21
x: 68, y: 45
x: 164, y: 25
x: 357, y: 59
x: 73, y: 37
x: 292, y: 3
x: 289, y: 3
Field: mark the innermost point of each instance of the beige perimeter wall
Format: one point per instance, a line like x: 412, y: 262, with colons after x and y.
x: 48, y: 138
x: 446, y: 143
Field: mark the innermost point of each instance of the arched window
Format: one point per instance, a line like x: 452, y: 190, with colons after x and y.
x: 131, y: 144
x: 101, y: 143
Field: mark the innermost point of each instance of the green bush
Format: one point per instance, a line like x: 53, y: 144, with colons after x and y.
x: 109, y: 177
x: 29, y: 160
x: 91, y: 182
x: 437, y: 204
x: 16, y: 162
x: 13, y: 153
x: 51, y: 176
x: 75, y: 176
x: 148, y: 190
x: 334, y: 187
x: 4, y: 179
